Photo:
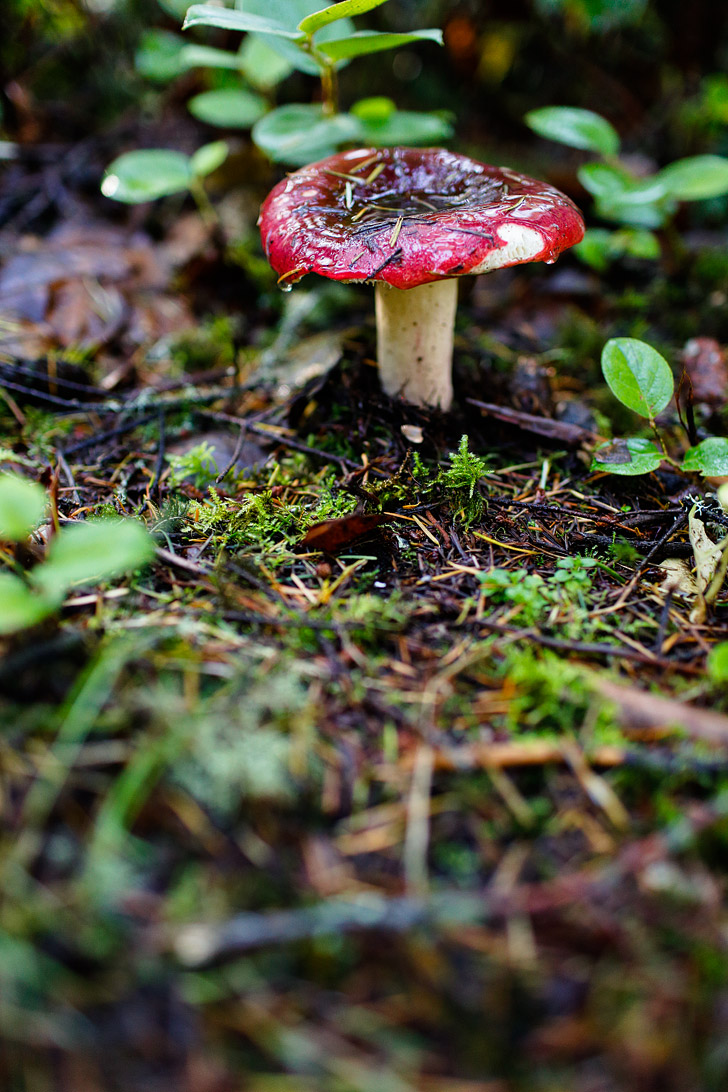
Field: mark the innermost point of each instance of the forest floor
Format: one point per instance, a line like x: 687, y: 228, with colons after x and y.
x: 402, y: 767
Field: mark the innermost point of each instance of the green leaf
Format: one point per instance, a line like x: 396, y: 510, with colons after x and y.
x: 575, y: 127
x: 159, y: 56
x: 637, y: 375
x: 374, y: 110
x: 696, y: 178
x: 87, y: 553
x: 201, y: 56
x: 637, y: 244
x: 19, y: 606
x: 603, y: 180
x: 640, y: 215
x: 342, y: 10
x: 596, y: 249
x: 209, y: 15
x: 402, y: 127
x: 262, y: 66
x: 600, y: 247
x: 231, y: 109
x: 709, y: 457
x: 289, y: 13
x: 628, y: 458
x: 145, y: 175
x: 22, y: 505
x: 363, y: 42
x: 718, y: 663
x: 300, y: 133
x: 208, y: 158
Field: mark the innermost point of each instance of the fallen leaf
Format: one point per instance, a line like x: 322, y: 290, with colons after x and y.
x: 679, y: 580
x: 332, y: 535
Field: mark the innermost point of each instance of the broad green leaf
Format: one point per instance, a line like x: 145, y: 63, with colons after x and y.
x: 603, y: 180
x: 637, y: 244
x: 642, y: 214
x: 709, y: 457
x: 575, y: 127
x: 331, y: 14
x: 145, y: 175
x: 718, y: 663
x: 87, y: 553
x: 21, y: 607
x: 374, y: 110
x: 289, y: 13
x: 627, y: 457
x: 637, y: 375
x: 364, y: 42
x: 22, y: 504
x: 200, y: 56
x: 262, y: 66
x: 596, y: 248
x: 160, y: 55
x: 600, y: 247
x: 208, y: 158
x: 696, y: 178
x: 300, y: 133
x: 404, y: 127
x: 231, y: 109
x: 208, y: 15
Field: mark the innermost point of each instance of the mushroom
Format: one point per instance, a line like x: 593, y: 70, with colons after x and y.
x: 412, y: 220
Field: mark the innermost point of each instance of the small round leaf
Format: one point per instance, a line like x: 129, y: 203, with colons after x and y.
x: 403, y: 127
x: 300, y: 134
x: 709, y: 457
x: 146, y: 175
x: 208, y: 158
x: 637, y: 375
x: 628, y: 458
x: 575, y: 127
x: 87, y: 553
x: 696, y: 178
x: 19, y: 606
x: 159, y: 56
x: 230, y: 109
x: 22, y: 504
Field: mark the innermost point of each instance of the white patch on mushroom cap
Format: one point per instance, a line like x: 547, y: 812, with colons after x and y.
x: 522, y: 244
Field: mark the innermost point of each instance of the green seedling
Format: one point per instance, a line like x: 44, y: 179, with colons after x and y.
x: 639, y: 203
x: 81, y: 554
x: 641, y: 379
x: 320, y: 41
x: 280, y: 36
x: 149, y: 173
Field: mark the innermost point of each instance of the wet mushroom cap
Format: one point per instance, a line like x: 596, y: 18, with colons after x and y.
x: 409, y: 216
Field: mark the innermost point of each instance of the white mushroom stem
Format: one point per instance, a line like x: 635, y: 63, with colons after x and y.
x: 415, y: 340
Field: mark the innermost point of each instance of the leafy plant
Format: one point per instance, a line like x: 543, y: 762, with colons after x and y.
x: 199, y: 464
x: 281, y: 35
x: 146, y: 174
x: 639, y: 203
x: 320, y: 42
x: 641, y: 379
x: 80, y: 554
x: 532, y: 595
x: 461, y: 478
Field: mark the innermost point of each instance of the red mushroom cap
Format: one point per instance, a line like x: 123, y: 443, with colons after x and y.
x: 408, y: 216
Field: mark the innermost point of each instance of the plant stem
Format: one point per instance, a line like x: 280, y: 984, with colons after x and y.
x: 329, y: 90
x: 205, y: 207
